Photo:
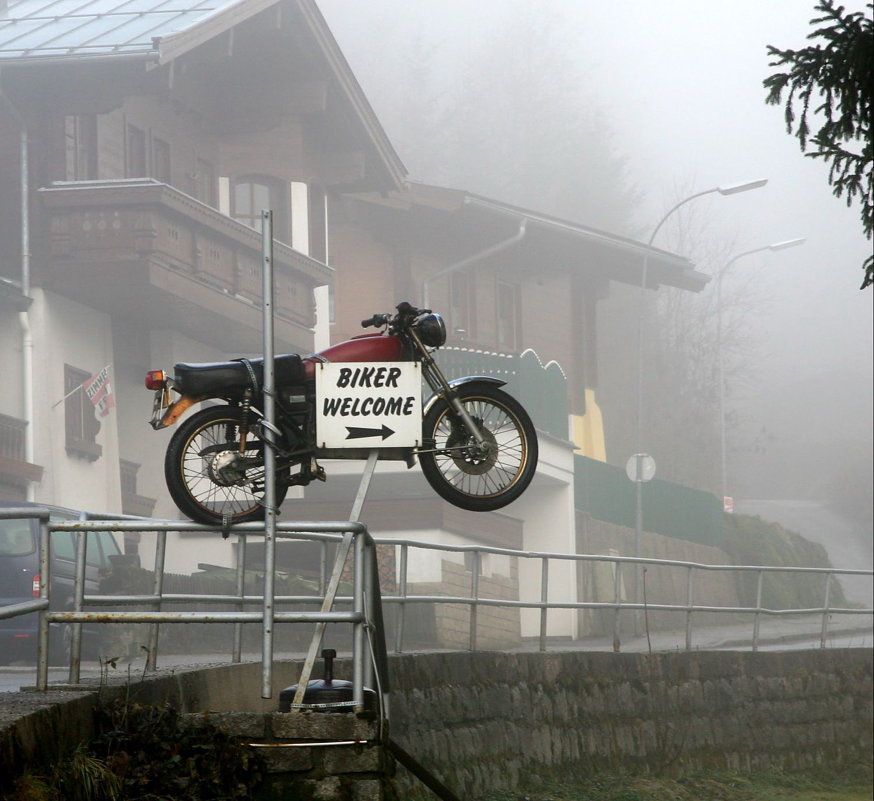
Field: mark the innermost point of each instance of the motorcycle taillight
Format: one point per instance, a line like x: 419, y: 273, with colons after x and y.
x: 155, y: 379
x: 34, y: 587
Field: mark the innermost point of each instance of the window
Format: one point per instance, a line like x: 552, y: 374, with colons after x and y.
x: 204, y: 182
x: 81, y: 423
x: 509, y: 316
x: 460, y: 304
x: 161, y: 161
x: 16, y: 538
x: 80, y: 148
x: 252, y: 195
x: 135, y: 153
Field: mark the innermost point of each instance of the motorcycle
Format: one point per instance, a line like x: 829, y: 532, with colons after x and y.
x: 477, y: 450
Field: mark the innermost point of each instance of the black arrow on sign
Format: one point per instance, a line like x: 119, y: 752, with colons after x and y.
x: 362, y: 433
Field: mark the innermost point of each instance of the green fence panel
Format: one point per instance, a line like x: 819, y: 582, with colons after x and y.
x: 541, y: 390
x: 673, y: 510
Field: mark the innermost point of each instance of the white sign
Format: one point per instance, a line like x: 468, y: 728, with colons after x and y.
x: 359, y: 404
x: 640, y: 468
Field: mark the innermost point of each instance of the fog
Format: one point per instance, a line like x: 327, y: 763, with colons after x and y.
x: 680, y: 85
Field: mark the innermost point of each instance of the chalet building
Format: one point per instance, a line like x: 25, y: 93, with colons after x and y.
x: 139, y: 145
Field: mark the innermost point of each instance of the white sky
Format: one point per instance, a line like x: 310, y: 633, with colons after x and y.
x: 683, y: 82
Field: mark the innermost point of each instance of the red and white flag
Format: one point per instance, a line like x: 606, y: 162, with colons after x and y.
x: 99, y: 392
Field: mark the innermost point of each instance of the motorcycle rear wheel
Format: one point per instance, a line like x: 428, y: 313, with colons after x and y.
x: 206, y: 493
x: 467, y: 476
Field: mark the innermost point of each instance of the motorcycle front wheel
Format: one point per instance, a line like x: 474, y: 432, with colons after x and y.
x: 484, y: 477
x: 209, y: 478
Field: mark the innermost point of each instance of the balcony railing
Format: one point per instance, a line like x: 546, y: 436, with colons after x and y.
x: 139, y: 248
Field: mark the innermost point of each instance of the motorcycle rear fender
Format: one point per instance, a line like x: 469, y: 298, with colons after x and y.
x: 459, y: 382
x: 174, y: 411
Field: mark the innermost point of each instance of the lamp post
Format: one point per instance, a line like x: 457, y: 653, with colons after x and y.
x: 788, y: 243
x: 642, y: 466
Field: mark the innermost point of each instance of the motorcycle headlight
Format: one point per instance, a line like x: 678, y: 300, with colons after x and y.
x: 431, y: 330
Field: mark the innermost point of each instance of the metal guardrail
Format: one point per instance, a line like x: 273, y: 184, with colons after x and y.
x: 368, y: 651
x: 366, y: 602
x: 618, y: 604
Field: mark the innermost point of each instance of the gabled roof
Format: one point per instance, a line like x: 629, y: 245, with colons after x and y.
x: 155, y: 32
x: 620, y: 256
x: 51, y: 30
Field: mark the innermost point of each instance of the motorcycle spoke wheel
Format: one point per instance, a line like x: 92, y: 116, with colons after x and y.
x: 209, y: 478
x: 487, y: 476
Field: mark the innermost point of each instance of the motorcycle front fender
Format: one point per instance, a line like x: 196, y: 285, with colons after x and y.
x: 459, y: 382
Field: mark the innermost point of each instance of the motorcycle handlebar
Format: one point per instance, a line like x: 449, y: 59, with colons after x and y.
x: 404, y: 309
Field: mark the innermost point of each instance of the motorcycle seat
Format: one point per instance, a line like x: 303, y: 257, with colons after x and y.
x: 234, y: 377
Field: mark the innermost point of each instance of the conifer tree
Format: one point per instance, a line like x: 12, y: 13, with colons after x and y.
x: 835, y: 73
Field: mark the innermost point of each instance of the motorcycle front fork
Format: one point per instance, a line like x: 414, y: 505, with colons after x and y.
x: 438, y: 383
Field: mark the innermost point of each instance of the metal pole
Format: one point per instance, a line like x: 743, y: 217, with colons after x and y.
x: 237, y: 655
x: 42, y: 665
x: 723, y: 459
x: 617, y: 600
x: 824, y: 632
x: 638, y: 525
x: 474, y: 593
x: 402, y: 592
x: 689, y: 597
x: 544, y: 598
x: 358, y: 629
x: 758, y: 611
x: 78, y: 604
x: 157, y: 591
x: 269, y: 456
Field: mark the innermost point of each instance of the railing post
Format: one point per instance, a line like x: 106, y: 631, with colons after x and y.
x: 158, y: 592
x: 323, y: 567
x: 358, y: 636
x: 42, y: 666
x: 758, y: 611
x: 402, y: 592
x: 78, y: 604
x: 474, y: 594
x: 544, y: 598
x: 237, y: 655
x: 617, y: 600
x: 689, y: 597
x: 825, y: 610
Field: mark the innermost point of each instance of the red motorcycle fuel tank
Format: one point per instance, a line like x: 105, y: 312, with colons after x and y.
x: 366, y: 348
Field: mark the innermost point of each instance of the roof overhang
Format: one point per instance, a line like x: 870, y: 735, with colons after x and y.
x: 566, y: 245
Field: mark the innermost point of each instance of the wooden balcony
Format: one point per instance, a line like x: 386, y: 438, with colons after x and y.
x: 152, y: 255
x: 15, y: 471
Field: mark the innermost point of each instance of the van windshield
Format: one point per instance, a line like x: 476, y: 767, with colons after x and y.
x: 16, y: 538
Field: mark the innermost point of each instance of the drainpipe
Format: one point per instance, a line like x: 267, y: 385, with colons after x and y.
x: 482, y: 254
x: 23, y: 317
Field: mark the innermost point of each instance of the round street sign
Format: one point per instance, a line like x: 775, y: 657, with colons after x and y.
x: 640, y: 468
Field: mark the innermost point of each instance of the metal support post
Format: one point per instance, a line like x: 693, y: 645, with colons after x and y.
x: 269, y: 456
x: 78, y: 605
x: 42, y: 667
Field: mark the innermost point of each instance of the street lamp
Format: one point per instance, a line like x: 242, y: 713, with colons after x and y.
x: 788, y: 243
x: 642, y: 467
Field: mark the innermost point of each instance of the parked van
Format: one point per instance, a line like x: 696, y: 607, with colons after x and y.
x: 19, y: 580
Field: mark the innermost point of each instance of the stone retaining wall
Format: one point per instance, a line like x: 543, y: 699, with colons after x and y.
x: 481, y: 721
